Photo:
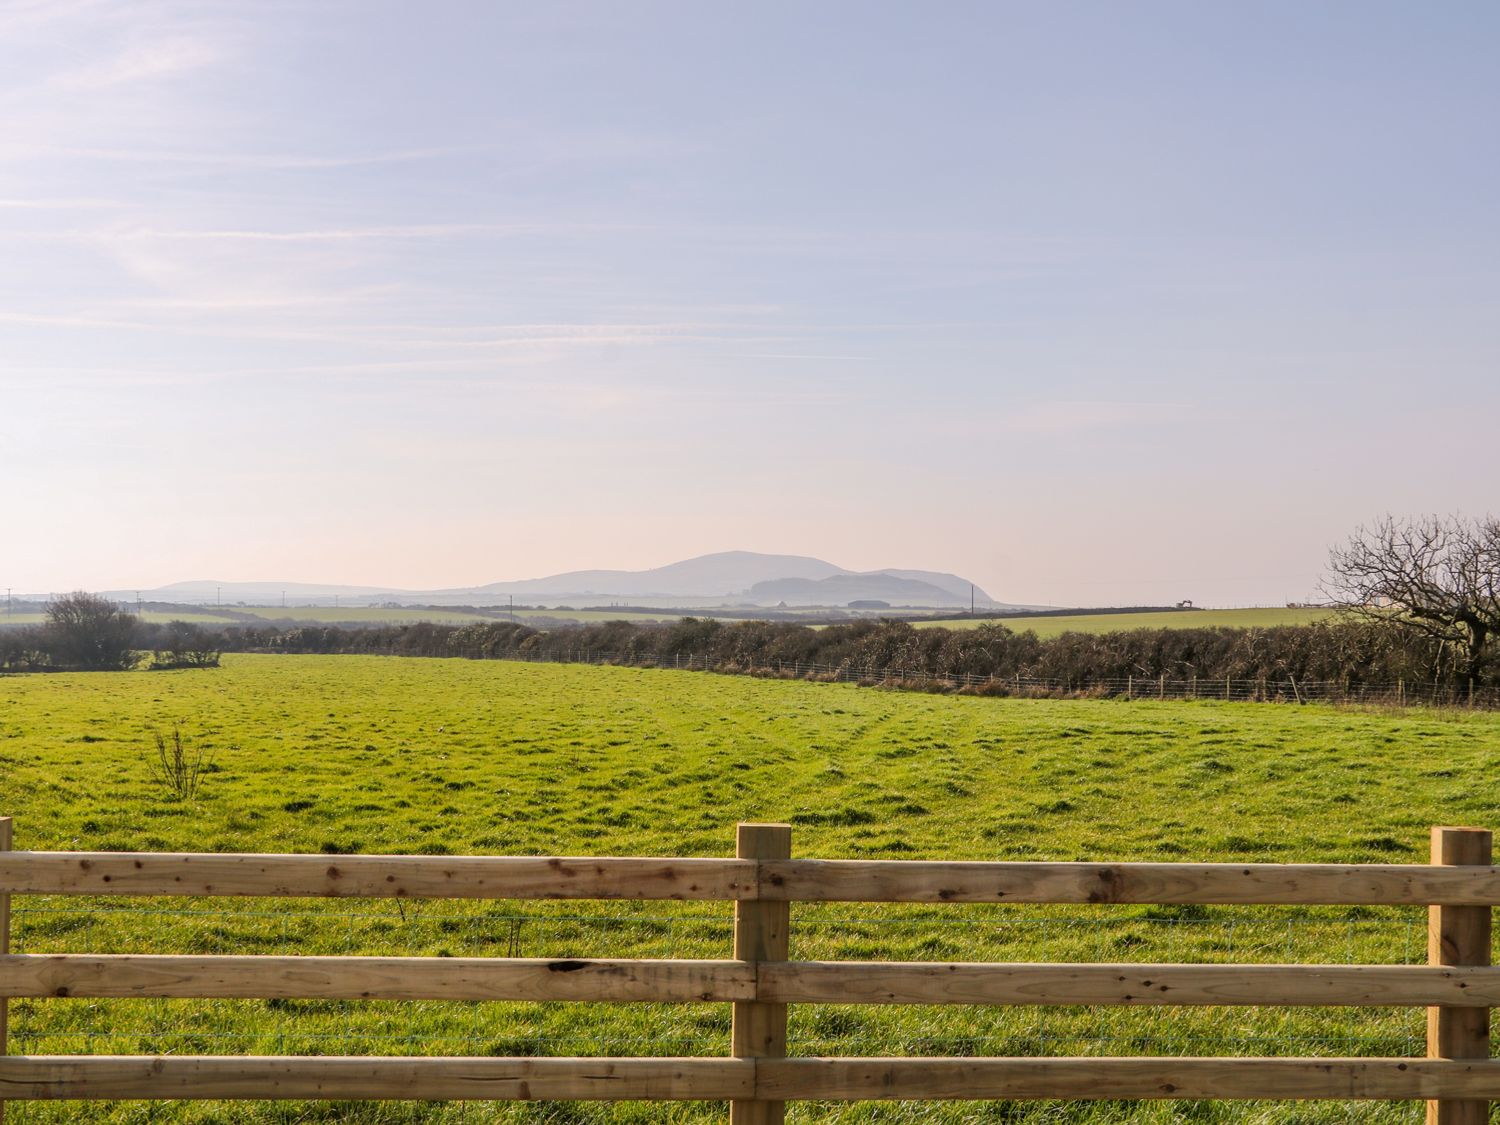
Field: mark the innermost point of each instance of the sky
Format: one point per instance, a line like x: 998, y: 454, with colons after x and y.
x: 1091, y: 303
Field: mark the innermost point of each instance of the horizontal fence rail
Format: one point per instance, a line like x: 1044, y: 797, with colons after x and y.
x: 799, y: 880
x: 1179, y: 884
x: 373, y: 876
x: 1457, y: 987
x: 693, y: 1079
x: 159, y: 976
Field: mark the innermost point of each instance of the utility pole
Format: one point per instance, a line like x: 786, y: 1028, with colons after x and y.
x: 971, y: 599
x: 512, y: 607
x: 218, y: 595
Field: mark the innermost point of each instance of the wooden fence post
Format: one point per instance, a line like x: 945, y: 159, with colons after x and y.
x: 1458, y: 935
x: 760, y: 934
x: 4, y: 948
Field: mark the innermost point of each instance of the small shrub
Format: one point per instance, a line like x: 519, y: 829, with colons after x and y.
x: 177, y: 768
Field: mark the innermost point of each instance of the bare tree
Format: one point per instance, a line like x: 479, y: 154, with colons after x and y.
x: 1439, y: 575
x: 88, y: 631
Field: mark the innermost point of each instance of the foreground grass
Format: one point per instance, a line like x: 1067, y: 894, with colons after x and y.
x: 1122, y: 622
x: 342, y: 754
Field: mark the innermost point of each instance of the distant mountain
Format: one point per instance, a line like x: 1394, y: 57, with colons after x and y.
x: 729, y: 577
x: 708, y: 576
x: 745, y: 576
x: 952, y: 583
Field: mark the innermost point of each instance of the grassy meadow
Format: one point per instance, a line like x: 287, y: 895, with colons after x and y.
x: 1165, y: 619
x: 150, y: 616
x: 382, y: 615
x: 373, y: 754
x: 361, y: 615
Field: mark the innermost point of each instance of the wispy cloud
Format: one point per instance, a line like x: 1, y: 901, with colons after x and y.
x: 17, y: 16
x: 43, y: 203
x: 353, y: 234
x: 420, y: 341
x: 262, y: 161
x: 142, y: 61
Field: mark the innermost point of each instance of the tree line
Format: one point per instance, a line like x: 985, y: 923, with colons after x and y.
x: 1353, y: 652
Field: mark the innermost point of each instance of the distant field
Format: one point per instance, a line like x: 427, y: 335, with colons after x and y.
x: 590, y: 615
x: 331, y: 615
x: 373, y: 754
x: 1119, y: 622
x: 1042, y: 626
x: 204, y: 618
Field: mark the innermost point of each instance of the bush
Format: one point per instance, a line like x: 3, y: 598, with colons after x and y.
x: 181, y: 644
x: 176, y: 768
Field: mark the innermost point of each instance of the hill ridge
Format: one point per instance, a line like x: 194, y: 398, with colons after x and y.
x: 722, y: 576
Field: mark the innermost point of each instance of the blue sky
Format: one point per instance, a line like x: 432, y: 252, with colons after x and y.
x: 1092, y: 303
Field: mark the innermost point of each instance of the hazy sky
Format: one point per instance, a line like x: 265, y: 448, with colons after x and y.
x: 1091, y: 303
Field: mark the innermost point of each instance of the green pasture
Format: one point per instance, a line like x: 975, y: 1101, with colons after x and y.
x: 590, y: 616
x: 154, y: 617
x: 340, y: 615
x: 366, y: 615
x: 373, y: 754
x: 1121, y: 622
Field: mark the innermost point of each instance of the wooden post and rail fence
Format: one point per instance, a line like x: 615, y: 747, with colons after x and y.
x: 1457, y: 986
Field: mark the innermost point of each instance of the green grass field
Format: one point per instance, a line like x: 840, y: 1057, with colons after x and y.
x: 368, y: 615
x: 1169, y: 619
x: 374, y: 754
x: 341, y: 615
x: 589, y: 616
x: 151, y: 616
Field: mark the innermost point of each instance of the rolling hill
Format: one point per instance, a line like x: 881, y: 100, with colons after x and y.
x: 724, y: 578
